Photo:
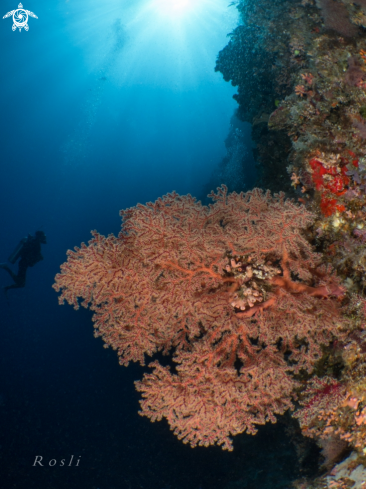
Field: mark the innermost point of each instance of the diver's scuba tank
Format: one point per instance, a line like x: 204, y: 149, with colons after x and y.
x: 16, y: 253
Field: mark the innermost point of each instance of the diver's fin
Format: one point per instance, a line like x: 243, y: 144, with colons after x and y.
x: 16, y: 253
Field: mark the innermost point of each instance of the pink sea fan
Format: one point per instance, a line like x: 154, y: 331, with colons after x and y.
x: 360, y: 125
x: 360, y: 233
x: 171, y: 282
x: 355, y: 74
x: 336, y: 17
x: 361, y: 3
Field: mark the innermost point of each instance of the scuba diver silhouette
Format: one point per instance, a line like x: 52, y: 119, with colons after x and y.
x: 29, y: 252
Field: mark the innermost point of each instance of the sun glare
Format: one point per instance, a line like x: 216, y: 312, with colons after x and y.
x: 171, y: 43
x: 174, y: 8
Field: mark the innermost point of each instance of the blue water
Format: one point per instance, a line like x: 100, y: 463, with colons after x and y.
x: 103, y: 105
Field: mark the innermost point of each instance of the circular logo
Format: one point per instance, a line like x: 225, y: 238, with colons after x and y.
x: 20, y: 18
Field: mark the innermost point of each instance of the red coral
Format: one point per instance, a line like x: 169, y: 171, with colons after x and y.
x: 330, y: 181
x: 329, y: 206
x: 233, y: 289
x: 333, y: 179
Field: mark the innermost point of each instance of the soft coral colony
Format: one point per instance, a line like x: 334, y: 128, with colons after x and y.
x: 233, y: 289
x: 259, y: 299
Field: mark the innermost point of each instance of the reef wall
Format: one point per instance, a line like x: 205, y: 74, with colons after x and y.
x: 300, y: 69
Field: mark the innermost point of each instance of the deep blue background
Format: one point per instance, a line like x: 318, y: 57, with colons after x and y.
x: 102, y: 106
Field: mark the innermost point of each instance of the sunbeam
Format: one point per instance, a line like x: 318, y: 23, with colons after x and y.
x: 176, y: 9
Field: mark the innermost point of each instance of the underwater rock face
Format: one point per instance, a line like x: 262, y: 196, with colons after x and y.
x: 313, y: 83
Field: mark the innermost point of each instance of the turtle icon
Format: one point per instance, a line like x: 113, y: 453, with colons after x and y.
x: 20, y: 17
